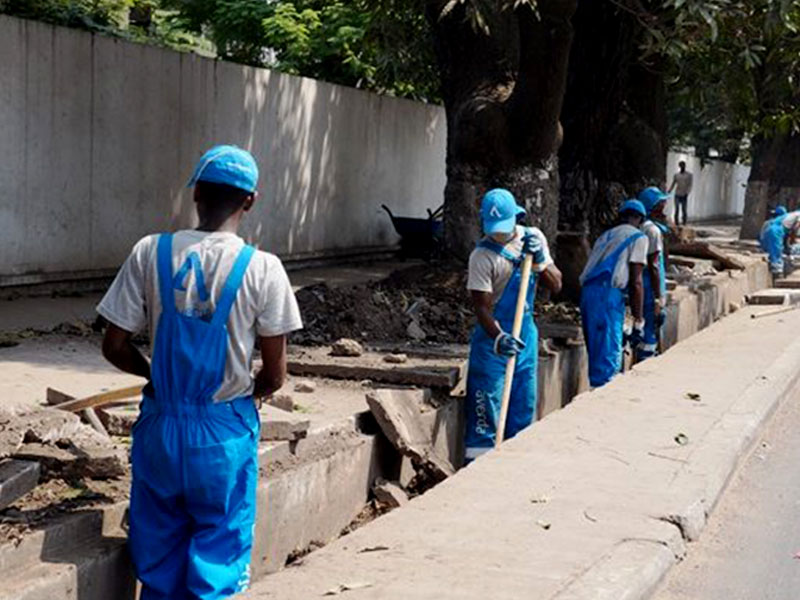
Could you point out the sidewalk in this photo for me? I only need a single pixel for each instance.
(596, 502)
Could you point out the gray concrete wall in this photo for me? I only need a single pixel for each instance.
(98, 137)
(718, 189)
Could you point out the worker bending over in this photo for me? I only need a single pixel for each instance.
(615, 265)
(208, 300)
(773, 238)
(494, 281)
(655, 282)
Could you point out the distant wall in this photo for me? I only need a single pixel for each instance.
(719, 187)
(98, 137)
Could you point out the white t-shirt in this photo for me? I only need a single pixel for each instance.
(607, 243)
(265, 304)
(655, 240)
(489, 272)
(683, 183)
(791, 220)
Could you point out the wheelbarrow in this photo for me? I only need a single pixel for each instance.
(419, 238)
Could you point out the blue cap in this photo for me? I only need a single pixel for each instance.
(633, 206)
(652, 197)
(499, 211)
(229, 165)
(779, 211)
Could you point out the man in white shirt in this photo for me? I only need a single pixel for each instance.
(682, 184)
(207, 299)
(615, 265)
(494, 282)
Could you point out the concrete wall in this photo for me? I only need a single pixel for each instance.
(98, 137)
(718, 190)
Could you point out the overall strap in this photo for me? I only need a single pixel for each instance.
(501, 250)
(609, 262)
(232, 285)
(164, 262)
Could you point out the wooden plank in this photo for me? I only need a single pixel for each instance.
(706, 250)
(103, 399)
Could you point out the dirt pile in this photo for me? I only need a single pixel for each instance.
(422, 303)
(425, 303)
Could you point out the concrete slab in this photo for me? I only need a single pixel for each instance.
(17, 478)
(418, 371)
(611, 472)
(774, 296)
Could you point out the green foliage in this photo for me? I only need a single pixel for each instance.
(97, 15)
(350, 42)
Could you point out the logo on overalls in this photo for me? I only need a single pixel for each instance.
(192, 264)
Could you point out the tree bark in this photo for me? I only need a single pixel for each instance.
(503, 92)
(614, 120)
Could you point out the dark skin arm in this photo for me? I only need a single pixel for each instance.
(272, 375)
(636, 291)
(482, 301)
(654, 271)
(120, 351)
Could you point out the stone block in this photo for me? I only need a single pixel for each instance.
(17, 478)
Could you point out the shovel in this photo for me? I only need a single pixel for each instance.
(522, 298)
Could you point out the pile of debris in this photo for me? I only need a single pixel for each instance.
(424, 304)
(52, 451)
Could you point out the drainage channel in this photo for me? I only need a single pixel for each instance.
(322, 486)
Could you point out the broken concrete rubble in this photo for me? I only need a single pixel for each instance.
(398, 415)
(305, 387)
(278, 425)
(17, 478)
(346, 347)
(282, 401)
(390, 494)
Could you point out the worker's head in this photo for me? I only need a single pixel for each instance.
(682, 165)
(654, 201)
(499, 212)
(779, 211)
(632, 212)
(224, 181)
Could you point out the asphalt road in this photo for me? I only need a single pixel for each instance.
(747, 550)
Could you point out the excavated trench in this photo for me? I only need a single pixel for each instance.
(323, 485)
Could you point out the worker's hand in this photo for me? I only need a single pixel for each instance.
(507, 345)
(532, 245)
(660, 314)
(636, 337)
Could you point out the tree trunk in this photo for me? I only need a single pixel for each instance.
(774, 179)
(614, 120)
(503, 92)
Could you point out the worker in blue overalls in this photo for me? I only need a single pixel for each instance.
(208, 300)
(773, 240)
(494, 282)
(614, 267)
(655, 281)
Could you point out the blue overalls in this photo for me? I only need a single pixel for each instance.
(603, 317)
(487, 370)
(772, 239)
(195, 470)
(649, 347)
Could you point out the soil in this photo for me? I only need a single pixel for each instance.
(432, 296)
(56, 497)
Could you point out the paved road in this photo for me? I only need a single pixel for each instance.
(746, 551)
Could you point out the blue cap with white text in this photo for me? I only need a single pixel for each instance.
(499, 211)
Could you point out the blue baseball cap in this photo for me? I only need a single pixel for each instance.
(652, 197)
(499, 211)
(779, 211)
(633, 206)
(229, 165)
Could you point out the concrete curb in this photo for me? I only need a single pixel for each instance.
(634, 569)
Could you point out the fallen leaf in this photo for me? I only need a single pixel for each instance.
(589, 517)
(681, 439)
(693, 396)
(346, 587)
(543, 524)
